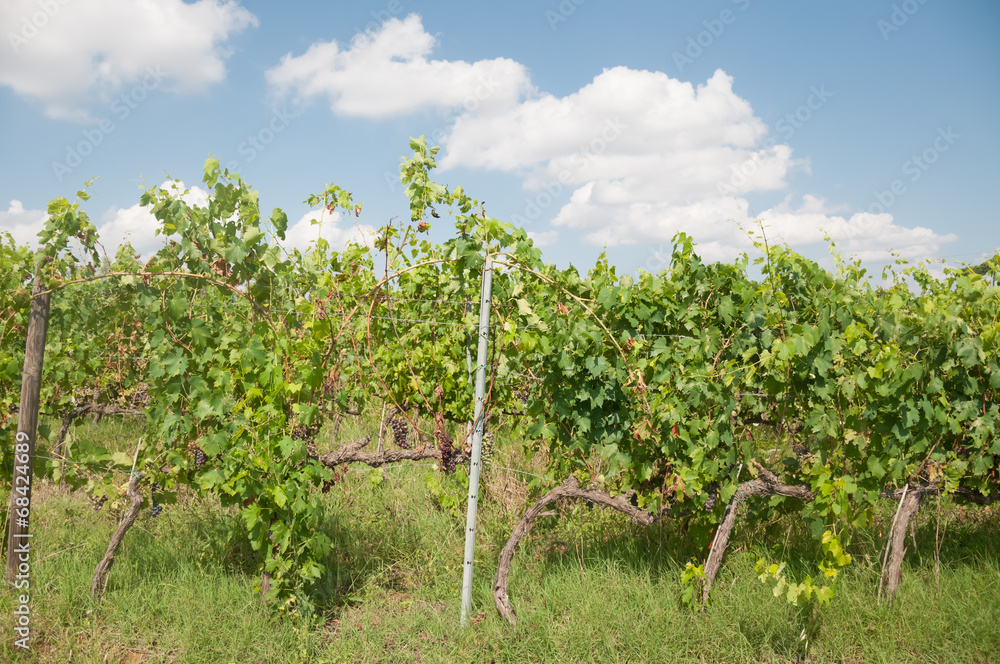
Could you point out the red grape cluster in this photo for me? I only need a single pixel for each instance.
(308, 434)
(140, 398)
(198, 454)
(98, 502)
(448, 455)
(399, 432)
(712, 489)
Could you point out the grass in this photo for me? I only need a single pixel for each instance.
(588, 586)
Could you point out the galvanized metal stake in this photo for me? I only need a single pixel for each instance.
(477, 440)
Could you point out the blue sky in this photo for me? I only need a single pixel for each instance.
(596, 125)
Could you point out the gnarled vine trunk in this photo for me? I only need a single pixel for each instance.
(568, 489)
(766, 484)
(892, 573)
(103, 569)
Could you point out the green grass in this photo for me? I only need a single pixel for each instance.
(588, 586)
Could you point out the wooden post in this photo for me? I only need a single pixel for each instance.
(27, 427)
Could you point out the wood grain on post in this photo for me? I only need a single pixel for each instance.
(27, 416)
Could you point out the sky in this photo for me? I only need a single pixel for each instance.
(596, 125)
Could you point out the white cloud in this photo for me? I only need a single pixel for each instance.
(643, 156)
(720, 227)
(623, 119)
(23, 225)
(67, 54)
(389, 74)
(639, 155)
(331, 228)
(543, 238)
(868, 236)
(138, 226)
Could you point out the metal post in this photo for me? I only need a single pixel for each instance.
(477, 440)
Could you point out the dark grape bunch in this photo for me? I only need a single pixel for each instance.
(522, 394)
(155, 510)
(399, 432)
(140, 399)
(712, 489)
(448, 455)
(308, 435)
(199, 455)
(305, 432)
(98, 502)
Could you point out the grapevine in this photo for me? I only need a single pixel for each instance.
(666, 388)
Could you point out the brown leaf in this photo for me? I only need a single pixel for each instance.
(221, 268)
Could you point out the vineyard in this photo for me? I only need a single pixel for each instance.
(705, 400)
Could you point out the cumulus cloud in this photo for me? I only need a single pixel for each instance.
(623, 119)
(331, 227)
(543, 238)
(631, 157)
(641, 156)
(721, 227)
(68, 55)
(23, 225)
(388, 73)
(138, 226)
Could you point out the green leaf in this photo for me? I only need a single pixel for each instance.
(279, 496)
(288, 446)
(212, 172)
(280, 221)
(251, 516)
(211, 478)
